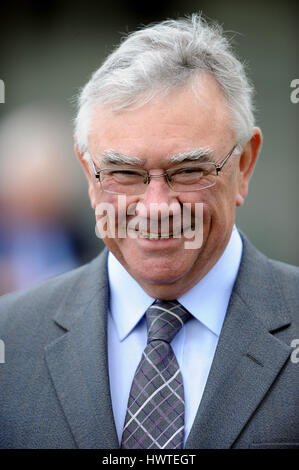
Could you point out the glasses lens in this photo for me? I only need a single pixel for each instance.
(121, 181)
(193, 178)
(131, 182)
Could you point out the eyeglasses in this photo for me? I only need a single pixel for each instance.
(133, 181)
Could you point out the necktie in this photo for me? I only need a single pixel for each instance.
(155, 413)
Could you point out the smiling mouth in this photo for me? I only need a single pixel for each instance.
(162, 236)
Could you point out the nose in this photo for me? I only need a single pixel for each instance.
(158, 196)
(157, 189)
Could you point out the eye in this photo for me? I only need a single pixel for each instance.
(189, 170)
(186, 172)
(124, 172)
(123, 176)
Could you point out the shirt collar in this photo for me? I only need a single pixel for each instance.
(207, 301)
(128, 301)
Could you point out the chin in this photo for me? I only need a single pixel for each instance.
(159, 275)
(160, 280)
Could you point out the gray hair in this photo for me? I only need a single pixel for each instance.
(160, 58)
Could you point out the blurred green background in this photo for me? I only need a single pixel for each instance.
(49, 49)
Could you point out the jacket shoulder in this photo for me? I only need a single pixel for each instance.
(287, 278)
(284, 270)
(40, 302)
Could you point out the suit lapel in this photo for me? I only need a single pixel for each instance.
(247, 360)
(248, 357)
(78, 363)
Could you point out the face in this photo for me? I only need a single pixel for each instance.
(164, 127)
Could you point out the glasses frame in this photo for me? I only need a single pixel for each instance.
(148, 177)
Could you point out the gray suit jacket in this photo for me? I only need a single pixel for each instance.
(54, 384)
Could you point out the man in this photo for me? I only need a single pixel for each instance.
(158, 344)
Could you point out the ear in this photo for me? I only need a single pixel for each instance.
(88, 173)
(247, 163)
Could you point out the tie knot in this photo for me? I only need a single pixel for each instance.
(165, 319)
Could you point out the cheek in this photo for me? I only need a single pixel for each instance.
(206, 199)
(113, 209)
(218, 207)
(222, 205)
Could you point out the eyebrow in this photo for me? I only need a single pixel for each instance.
(201, 153)
(116, 158)
(113, 157)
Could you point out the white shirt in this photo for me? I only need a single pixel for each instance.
(194, 345)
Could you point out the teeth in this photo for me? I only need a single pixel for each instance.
(156, 236)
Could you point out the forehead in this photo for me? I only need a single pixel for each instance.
(167, 125)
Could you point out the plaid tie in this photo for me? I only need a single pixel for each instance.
(155, 414)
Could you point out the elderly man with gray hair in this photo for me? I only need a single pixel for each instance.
(180, 333)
